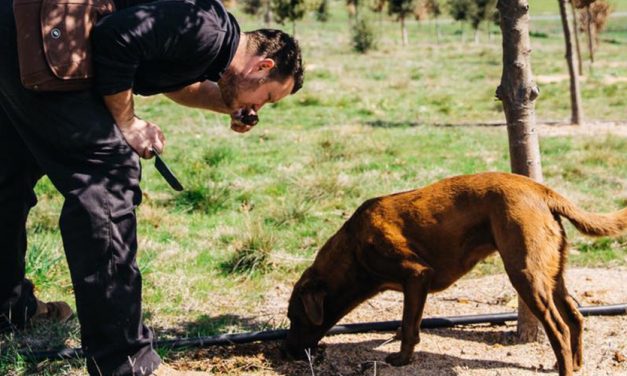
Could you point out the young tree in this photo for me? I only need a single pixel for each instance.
(377, 6)
(460, 10)
(420, 10)
(594, 19)
(518, 93)
(482, 11)
(352, 7)
(258, 7)
(322, 11)
(434, 11)
(573, 14)
(576, 109)
(292, 10)
(363, 36)
(401, 9)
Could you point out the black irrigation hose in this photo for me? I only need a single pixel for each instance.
(273, 335)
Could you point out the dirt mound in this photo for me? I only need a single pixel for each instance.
(469, 350)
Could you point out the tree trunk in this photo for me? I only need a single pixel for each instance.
(267, 15)
(590, 36)
(352, 11)
(576, 31)
(489, 29)
(437, 31)
(575, 94)
(404, 32)
(518, 93)
(293, 28)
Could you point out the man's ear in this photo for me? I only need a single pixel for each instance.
(265, 64)
(314, 308)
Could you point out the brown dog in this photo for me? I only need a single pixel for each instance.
(424, 240)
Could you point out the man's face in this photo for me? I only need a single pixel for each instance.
(252, 91)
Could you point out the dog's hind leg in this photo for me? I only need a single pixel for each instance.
(568, 309)
(415, 290)
(531, 252)
(536, 286)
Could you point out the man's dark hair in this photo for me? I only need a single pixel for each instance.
(283, 49)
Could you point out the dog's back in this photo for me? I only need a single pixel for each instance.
(456, 222)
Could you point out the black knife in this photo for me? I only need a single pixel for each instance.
(166, 172)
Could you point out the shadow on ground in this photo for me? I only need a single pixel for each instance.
(355, 358)
(209, 326)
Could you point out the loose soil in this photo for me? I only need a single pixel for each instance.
(468, 350)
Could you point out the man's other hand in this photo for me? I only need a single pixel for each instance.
(142, 136)
(244, 120)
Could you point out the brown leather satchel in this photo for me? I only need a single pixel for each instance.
(53, 42)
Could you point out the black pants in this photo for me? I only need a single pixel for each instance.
(72, 138)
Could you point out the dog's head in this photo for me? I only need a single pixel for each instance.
(306, 312)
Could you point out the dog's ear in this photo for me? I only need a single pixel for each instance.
(313, 301)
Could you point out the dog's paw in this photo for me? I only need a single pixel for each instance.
(397, 359)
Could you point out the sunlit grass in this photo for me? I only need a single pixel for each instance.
(258, 206)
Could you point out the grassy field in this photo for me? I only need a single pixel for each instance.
(258, 206)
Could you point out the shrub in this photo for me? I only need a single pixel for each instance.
(364, 38)
(252, 254)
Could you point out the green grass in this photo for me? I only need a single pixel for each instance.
(258, 206)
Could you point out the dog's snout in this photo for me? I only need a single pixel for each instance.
(291, 353)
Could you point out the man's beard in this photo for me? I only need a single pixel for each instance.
(231, 84)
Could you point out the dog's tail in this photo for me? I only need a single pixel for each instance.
(592, 224)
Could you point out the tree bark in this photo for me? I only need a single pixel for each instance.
(437, 31)
(518, 93)
(267, 16)
(576, 110)
(573, 12)
(404, 32)
(590, 36)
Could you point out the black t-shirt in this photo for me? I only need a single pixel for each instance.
(161, 46)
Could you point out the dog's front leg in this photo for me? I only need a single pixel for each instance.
(415, 290)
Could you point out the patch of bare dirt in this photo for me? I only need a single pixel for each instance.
(591, 128)
(469, 350)
(556, 78)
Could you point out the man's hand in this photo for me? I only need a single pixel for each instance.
(243, 120)
(142, 136)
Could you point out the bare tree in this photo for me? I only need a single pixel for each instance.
(589, 33)
(518, 93)
(482, 11)
(573, 13)
(576, 110)
(290, 10)
(352, 9)
(593, 19)
(586, 16)
(401, 9)
(258, 7)
(434, 10)
(460, 10)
